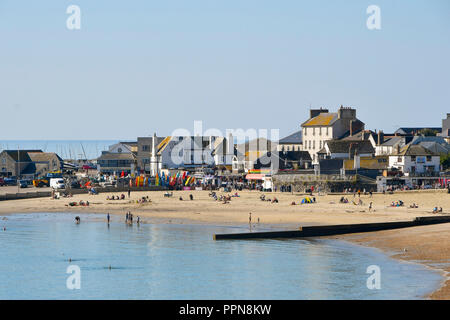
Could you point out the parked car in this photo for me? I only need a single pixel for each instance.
(10, 182)
(23, 183)
(75, 185)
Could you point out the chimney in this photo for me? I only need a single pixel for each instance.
(380, 137)
(315, 112)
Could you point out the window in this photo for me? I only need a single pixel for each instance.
(314, 144)
(320, 131)
(413, 158)
(145, 148)
(314, 131)
(327, 131)
(306, 131)
(399, 159)
(428, 158)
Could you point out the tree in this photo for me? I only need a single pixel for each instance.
(445, 161)
(427, 132)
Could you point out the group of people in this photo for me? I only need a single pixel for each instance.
(81, 203)
(398, 203)
(122, 197)
(436, 210)
(343, 200)
(263, 198)
(144, 200)
(129, 218)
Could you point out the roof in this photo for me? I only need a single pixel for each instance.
(116, 156)
(361, 135)
(413, 150)
(21, 155)
(43, 156)
(412, 130)
(294, 138)
(397, 139)
(285, 159)
(343, 146)
(436, 147)
(323, 119)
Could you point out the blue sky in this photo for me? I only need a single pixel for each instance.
(137, 67)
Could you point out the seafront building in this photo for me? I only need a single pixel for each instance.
(29, 164)
(323, 125)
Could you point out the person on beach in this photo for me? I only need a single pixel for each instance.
(250, 218)
(129, 193)
(77, 220)
(370, 206)
(138, 220)
(191, 197)
(108, 217)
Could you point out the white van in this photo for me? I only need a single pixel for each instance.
(57, 183)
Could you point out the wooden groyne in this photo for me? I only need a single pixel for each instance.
(319, 231)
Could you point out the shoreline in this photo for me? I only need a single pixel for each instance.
(423, 245)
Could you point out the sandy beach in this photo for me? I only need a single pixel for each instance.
(427, 245)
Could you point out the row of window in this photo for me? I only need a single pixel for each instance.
(311, 144)
(305, 131)
(115, 163)
(416, 159)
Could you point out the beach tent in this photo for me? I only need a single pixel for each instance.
(306, 200)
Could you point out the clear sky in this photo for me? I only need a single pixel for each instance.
(136, 67)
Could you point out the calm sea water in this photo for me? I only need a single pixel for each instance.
(160, 261)
(67, 149)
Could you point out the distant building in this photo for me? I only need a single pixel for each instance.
(284, 161)
(323, 125)
(389, 145)
(416, 130)
(144, 152)
(446, 128)
(120, 157)
(292, 142)
(246, 154)
(189, 153)
(29, 163)
(45, 162)
(415, 159)
(346, 149)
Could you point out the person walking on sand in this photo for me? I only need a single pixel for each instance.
(129, 193)
(250, 218)
(370, 207)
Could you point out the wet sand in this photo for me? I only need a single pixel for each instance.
(428, 245)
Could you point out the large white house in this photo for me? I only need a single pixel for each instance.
(175, 152)
(415, 159)
(324, 125)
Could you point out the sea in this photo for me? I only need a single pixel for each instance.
(48, 256)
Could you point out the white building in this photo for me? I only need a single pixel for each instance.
(324, 125)
(415, 159)
(175, 152)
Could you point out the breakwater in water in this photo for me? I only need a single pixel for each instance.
(318, 231)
